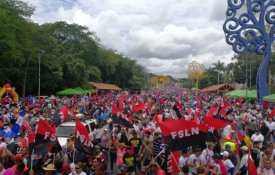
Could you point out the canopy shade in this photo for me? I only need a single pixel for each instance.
(270, 98)
(75, 91)
(251, 94)
(69, 92)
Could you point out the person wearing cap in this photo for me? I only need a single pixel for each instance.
(208, 152)
(244, 161)
(257, 136)
(228, 163)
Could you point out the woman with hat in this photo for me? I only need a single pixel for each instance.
(49, 169)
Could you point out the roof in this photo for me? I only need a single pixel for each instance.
(104, 86)
(219, 87)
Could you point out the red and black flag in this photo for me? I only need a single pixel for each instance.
(83, 142)
(46, 135)
(180, 134)
(61, 115)
(122, 121)
(17, 146)
(178, 109)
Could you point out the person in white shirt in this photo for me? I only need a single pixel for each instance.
(228, 163)
(208, 152)
(216, 168)
(244, 161)
(195, 160)
(183, 161)
(258, 137)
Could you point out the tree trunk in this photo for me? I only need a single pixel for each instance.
(197, 86)
(25, 77)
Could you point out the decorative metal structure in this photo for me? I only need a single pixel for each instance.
(196, 71)
(250, 27)
(160, 80)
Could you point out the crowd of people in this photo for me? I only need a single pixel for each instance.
(141, 149)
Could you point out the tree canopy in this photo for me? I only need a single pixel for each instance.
(70, 55)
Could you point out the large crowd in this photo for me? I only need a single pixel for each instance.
(141, 149)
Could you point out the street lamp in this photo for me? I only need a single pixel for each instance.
(39, 70)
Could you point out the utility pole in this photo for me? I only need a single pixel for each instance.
(39, 64)
(250, 73)
(39, 70)
(246, 82)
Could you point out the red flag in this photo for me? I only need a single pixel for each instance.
(26, 126)
(240, 136)
(172, 163)
(196, 118)
(82, 138)
(211, 111)
(139, 107)
(272, 114)
(158, 118)
(64, 113)
(215, 123)
(31, 137)
(240, 101)
(252, 170)
(115, 110)
(199, 105)
(237, 151)
(120, 103)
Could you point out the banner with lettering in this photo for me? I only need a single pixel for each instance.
(46, 135)
(82, 139)
(180, 134)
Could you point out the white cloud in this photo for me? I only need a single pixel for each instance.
(162, 35)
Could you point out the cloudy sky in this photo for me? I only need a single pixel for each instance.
(163, 35)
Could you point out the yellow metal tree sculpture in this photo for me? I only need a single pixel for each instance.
(196, 71)
(160, 80)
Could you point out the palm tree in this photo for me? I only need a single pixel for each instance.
(219, 67)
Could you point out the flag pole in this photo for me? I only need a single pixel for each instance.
(32, 159)
(53, 158)
(73, 155)
(159, 154)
